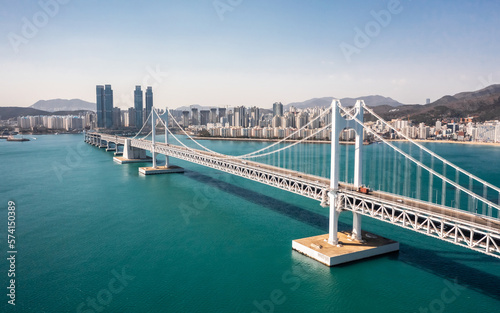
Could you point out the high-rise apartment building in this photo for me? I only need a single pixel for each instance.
(213, 115)
(108, 106)
(278, 109)
(239, 117)
(116, 117)
(100, 105)
(185, 118)
(204, 117)
(132, 118)
(138, 106)
(149, 102)
(222, 113)
(194, 117)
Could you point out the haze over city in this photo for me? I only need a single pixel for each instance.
(218, 53)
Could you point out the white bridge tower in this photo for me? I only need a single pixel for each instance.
(339, 123)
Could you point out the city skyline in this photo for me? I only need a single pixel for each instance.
(249, 53)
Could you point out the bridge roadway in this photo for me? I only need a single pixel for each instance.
(475, 231)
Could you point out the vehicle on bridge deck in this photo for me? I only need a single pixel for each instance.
(364, 189)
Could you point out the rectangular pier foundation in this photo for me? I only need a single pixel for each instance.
(160, 170)
(122, 160)
(348, 250)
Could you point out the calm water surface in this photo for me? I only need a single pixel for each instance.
(94, 236)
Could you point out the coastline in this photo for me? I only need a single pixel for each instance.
(348, 142)
(454, 142)
(266, 140)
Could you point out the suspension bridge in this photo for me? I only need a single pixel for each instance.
(401, 183)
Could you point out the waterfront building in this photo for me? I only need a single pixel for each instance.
(194, 117)
(222, 113)
(149, 102)
(138, 107)
(100, 105)
(204, 117)
(108, 106)
(276, 121)
(185, 118)
(117, 118)
(239, 117)
(213, 115)
(277, 109)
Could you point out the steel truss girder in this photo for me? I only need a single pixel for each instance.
(473, 236)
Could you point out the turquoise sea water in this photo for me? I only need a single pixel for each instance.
(94, 236)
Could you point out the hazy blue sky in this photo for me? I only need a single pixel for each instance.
(246, 52)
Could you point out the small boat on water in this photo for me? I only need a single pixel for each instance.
(12, 138)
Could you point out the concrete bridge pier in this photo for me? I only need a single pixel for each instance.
(103, 144)
(119, 152)
(111, 146)
(156, 169)
(132, 154)
(341, 247)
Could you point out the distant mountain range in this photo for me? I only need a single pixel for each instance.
(48, 107)
(483, 104)
(64, 105)
(372, 101)
(13, 112)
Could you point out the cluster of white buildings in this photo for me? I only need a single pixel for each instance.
(277, 124)
(55, 122)
(281, 124)
(465, 130)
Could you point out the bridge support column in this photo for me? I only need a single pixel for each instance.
(167, 168)
(341, 247)
(131, 154)
(358, 168)
(356, 226)
(333, 220)
(153, 136)
(118, 152)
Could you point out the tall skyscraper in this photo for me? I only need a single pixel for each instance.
(149, 101)
(100, 105)
(138, 106)
(239, 117)
(204, 117)
(222, 113)
(254, 116)
(132, 117)
(116, 117)
(108, 106)
(185, 118)
(213, 115)
(278, 109)
(194, 116)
